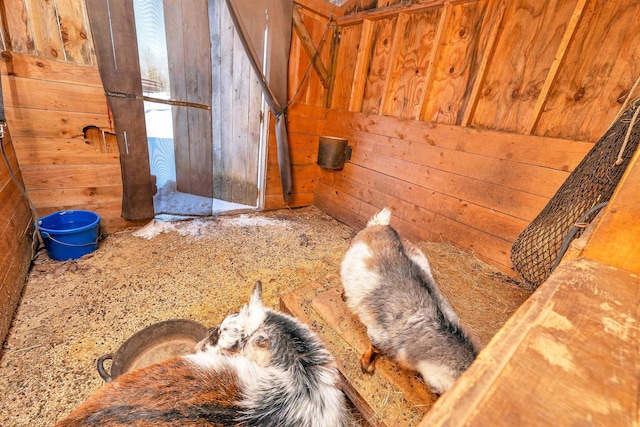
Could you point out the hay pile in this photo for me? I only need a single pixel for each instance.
(73, 312)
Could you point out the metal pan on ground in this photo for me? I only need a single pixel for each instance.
(153, 344)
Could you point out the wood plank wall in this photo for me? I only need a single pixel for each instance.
(305, 116)
(48, 104)
(466, 116)
(52, 93)
(16, 231)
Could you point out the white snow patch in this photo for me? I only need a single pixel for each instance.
(203, 227)
(246, 220)
(154, 228)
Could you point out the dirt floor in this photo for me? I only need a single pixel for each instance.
(73, 312)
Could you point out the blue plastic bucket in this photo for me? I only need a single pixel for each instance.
(69, 234)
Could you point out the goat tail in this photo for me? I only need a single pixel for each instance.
(381, 218)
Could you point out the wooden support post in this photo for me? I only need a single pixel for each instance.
(333, 64)
(555, 66)
(309, 47)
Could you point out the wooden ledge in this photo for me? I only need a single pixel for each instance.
(568, 356)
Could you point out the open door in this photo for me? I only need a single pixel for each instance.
(205, 128)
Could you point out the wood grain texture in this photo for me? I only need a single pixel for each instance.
(415, 42)
(464, 43)
(48, 151)
(616, 239)
(575, 337)
(16, 236)
(476, 189)
(46, 30)
(523, 56)
(29, 66)
(600, 67)
(189, 56)
(18, 27)
(335, 312)
(117, 52)
(378, 75)
(305, 126)
(351, 58)
(52, 124)
(53, 95)
(75, 32)
(361, 65)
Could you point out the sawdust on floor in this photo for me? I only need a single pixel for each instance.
(73, 312)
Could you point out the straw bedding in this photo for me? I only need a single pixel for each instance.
(73, 312)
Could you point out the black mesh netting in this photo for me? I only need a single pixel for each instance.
(592, 183)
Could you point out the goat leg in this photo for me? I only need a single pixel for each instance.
(367, 362)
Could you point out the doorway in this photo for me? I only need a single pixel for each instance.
(204, 109)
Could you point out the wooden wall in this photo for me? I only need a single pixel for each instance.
(465, 117)
(305, 116)
(52, 92)
(16, 231)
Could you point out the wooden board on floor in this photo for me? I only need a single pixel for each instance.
(335, 312)
(378, 400)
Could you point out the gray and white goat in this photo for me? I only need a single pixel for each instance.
(388, 284)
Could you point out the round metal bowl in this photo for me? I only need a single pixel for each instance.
(153, 344)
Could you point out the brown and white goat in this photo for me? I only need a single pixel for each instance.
(260, 367)
(388, 284)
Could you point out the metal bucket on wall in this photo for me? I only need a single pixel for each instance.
(332, 152)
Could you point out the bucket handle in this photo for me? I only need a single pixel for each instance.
(48, 236)
(103, 372)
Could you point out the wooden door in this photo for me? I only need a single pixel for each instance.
(237, 113)
(189, 57)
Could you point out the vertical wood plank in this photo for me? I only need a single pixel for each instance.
(216, 93)
(46, 30)
(553, 71)
(177, 82)
(346, 64)
(379, 65)
(436, 48)
(188, 48)
(411, 74)
(296, 57)
(253, 141)
(497, 9)
(333, 64)
(309, 46)
(117, 53)
(396, 63)
(239, 123)
(319, 28)
(362, 66)
(600, 67)
(19, 37)
(75, 32)
(226, 103)
(533, 31)
(616, 239)
(197, 54)
(457, 62)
